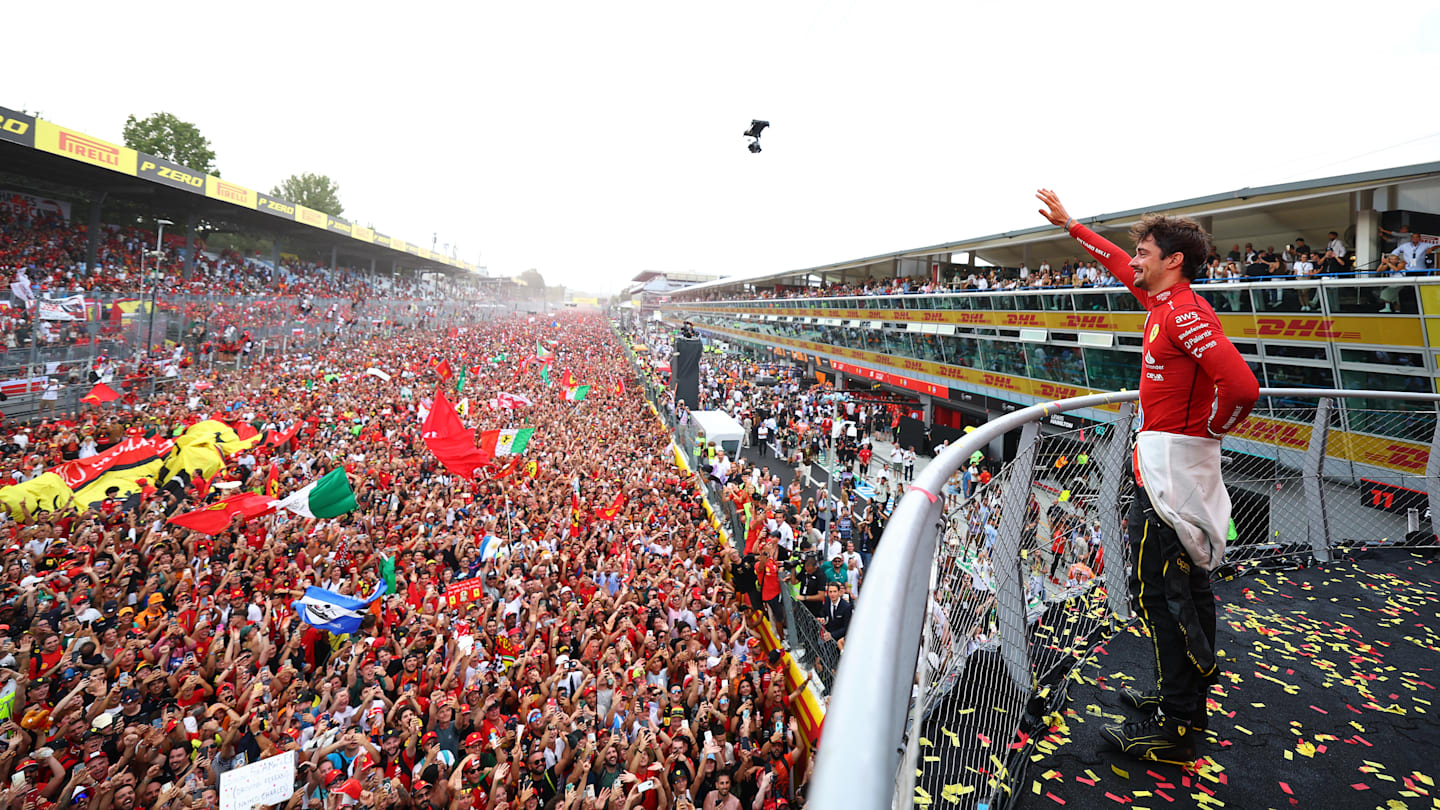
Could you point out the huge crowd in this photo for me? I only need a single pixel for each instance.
(223, 301)
(596, 655)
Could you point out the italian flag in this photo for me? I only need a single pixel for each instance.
(329, 497)
(577, 393)
(542, 353)
(505, 442)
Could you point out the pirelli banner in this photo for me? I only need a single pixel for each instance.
(34, 133)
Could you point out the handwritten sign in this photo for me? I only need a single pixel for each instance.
(269, 781)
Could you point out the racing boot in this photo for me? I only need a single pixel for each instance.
(1156, 737)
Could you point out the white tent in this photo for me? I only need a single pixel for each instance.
(721, 428)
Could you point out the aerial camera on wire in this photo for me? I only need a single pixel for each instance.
(753, 133)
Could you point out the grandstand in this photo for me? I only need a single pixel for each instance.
(77, 250)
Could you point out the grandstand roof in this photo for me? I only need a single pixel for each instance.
(24, 167)
(1241, 215)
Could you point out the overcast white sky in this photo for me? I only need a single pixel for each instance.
(594, 140)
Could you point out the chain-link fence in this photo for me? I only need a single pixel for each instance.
(1028, 573)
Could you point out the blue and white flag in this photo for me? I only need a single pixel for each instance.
(337, 613)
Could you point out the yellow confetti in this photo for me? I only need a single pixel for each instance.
(1120, 773)
(1423, 778)
(924, 741)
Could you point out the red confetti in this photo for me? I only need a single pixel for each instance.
(1285, 787)
(1318, 709)
(1115, 798)
(1090, 782)
(1360, 786)
(1057, 799)
(1164, 796)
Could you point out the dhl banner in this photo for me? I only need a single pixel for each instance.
(34, 133)
(1376, 451)
(1344, 328)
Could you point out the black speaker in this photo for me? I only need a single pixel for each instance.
(685, 371)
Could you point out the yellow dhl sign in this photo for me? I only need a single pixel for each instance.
(1376, 451)
(1392, 330)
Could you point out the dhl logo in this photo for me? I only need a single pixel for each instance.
(931, 316)
(895, 315)
(1264, 430)
(952, 372)
(1047, 390)
(1089, 322)
(998, 381)
(1400, 456)
(1021, 319)
(850, 313)
(230, 191)
(72, 143)
(912, 365)
(1299, 328)
(973, 317)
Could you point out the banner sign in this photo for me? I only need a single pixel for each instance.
(1347, 328)
(24, 205)
(35, 133)
(129, 453)
(269, 781)
(170, 174)
(17, 127)
(275, 206)
(463, 592)
(71, 308)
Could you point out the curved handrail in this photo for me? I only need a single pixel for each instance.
(867, 709)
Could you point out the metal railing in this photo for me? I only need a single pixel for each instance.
(965, 617)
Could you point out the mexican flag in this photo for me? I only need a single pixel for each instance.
(505, 442)
(331, 496)
(542, 353)
(577, 393)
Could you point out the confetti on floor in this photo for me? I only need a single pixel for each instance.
(1326, 700)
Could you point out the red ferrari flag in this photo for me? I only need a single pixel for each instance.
(101, 393)
(215, 518)
(448, 439)
(443, 369)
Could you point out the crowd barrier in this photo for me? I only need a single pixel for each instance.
(982, 645)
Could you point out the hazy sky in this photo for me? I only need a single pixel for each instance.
(594, 140)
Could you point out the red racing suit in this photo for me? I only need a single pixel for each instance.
(1194, 381)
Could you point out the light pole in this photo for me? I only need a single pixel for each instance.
(159, 240)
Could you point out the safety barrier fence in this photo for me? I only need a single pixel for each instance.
(976, 610)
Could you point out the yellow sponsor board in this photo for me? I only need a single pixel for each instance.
(58, 140)
(362, 233)
(311, 217)
(233, 193)
(1391, 330)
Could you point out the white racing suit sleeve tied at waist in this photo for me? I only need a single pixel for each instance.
(1181, 474)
